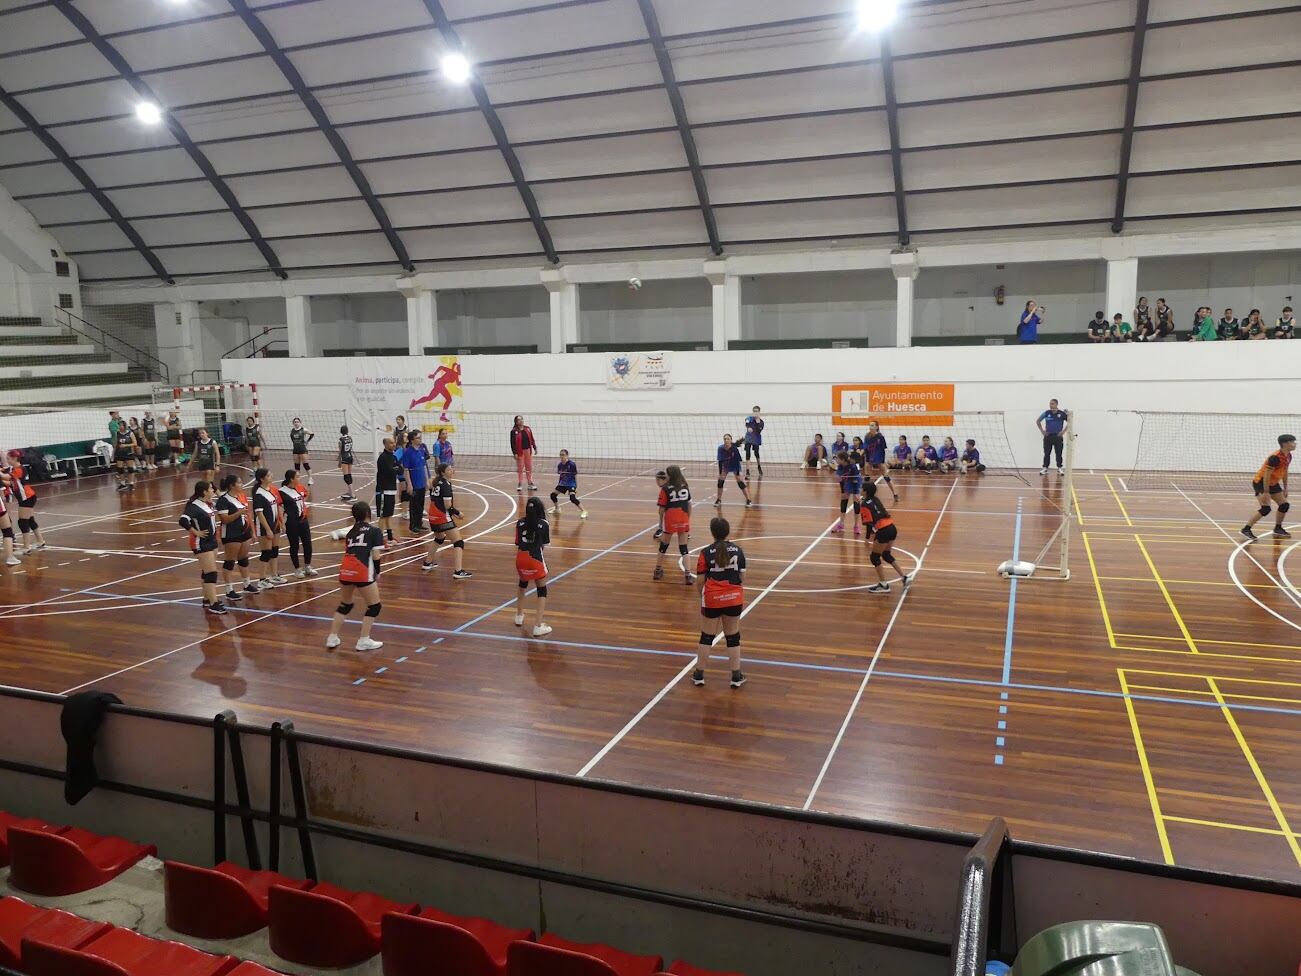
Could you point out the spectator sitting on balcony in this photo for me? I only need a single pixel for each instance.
(1205, 331)
(1121, 331)
(1144, 329)
(1228, 327)
(1285, 328)
(1099, 329)
(1252, 327)
(1165, 320)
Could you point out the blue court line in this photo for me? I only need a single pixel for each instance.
(1011, 619)
(770, 662)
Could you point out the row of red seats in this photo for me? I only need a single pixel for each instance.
(315, 924)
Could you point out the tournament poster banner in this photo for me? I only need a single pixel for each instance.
(425, 390)
(895, 404)
(640, 371)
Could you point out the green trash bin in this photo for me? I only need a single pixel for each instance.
(1098, 949)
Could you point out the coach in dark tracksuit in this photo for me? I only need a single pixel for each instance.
(1052, 424)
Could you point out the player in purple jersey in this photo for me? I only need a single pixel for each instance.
(971, 458)
(851, 486)
(874, 467)
(754, 425)
(729, 462)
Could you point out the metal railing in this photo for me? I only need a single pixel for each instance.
(985, 924)
(272, 338)
(112, 345)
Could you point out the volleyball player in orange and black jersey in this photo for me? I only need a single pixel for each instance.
(532, 533)
(25, 495)
(363, 545)
(881, 533)
(199, 520)
(235, 515)
(268, 516)
(675, 518)
(442, 524)
(721, 568)
(1270, 488)
(6, 523)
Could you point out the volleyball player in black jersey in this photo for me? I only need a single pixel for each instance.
(345, 462)
(235, 515)
(268, 515)
(299, 438)
(206, 457)
(721, 568)
(253, 440)
(881, 533)
(532, 533)
(296, 499)
(363, 546)
(124, 457)
(442, 523)
(175, 437)
(199, 520)
(149, 439)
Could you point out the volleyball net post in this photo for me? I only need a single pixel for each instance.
(1052, 562)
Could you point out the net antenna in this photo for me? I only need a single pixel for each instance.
(1052, 562)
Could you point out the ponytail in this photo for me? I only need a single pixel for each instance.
(675, 476)
(720, 530)
(200, 489)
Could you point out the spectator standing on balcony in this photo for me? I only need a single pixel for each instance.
(1228, 325)
(1144, 329)
(1027, 329)
(1052, 424)
(1285, 328)
(1165, 320)
(1099, 329)
(1121, 331)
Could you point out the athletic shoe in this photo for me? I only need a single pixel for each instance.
(234, 596)
(896, 499)
(738, 679)
(908, 579)
(747, 474)
(554, 509)
(251, 587)
(27, 550)
(749, 503)
(13, 561)
(1281, 532)
(582, 513)
(332, 642)
(1248, 534)
(718, 503)
(462, 574)
(428, 567)
(688, 578)
(519, 489)
(879, 588)
(298, 574)
(761, 474)
(1061, 471)
(279, 580)
(1043, 471)
(265, 584)
(519, 620)
(308, 571)
(541, 630)
(39, 545)
(698, 678)
(658, 574)
(217, 608)
(838, 530)
(532, 486)
(366, 644)
(857, 530)
(310, 481)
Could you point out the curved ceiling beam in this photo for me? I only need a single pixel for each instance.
(287, 68)
(1131, 110)
(82, 177)
(453, 42)
(128, 74)
(896, 152)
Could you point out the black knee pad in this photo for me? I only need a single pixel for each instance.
(888, 556)
(343, 608)
(374, 609)
(542, 592)
(209, 577)
(734, 640)
(706, 638)
(554, 498)
(664, 547)
(858, 506)
(979, 467)
(523, 585)
(264, 556)
(844, 505)
(439, 539)
(876, 559)
(347, 479)
(243, 563)
(1264, 509)
(307, 465)
(682, 548)
(458, 544)
(24, 526)
(574, 498)
(721, 482)
(228, 565)
(1282, 509)
(8, 533)
(298, 465)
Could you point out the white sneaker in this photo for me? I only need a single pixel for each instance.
(366, 644)
(519, 489)
(583, 514)
(264, 584)
(300, 574)
(332, 642)
(13, 561)
(519, 620)
(279, 580)
(1061, 471)
(308, 571)
(310, 481)
(1043, 470)
(541, 631)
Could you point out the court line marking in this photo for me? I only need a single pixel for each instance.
(1261, 780)
(690, 665)
(1282, 566)
(1119, 503)
(876, 656)
(1183, 627)
(1097, 585)
(1000, 741)
(1227, 826)
(1157, 818)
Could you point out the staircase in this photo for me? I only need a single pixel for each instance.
(72, 362)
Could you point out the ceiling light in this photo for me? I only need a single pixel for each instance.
(456, 67)
(877, 15)
(149, 113)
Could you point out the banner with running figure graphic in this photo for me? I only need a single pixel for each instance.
(424, 390)
(639, 371)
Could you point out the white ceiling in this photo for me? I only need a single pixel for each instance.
(1011, 115)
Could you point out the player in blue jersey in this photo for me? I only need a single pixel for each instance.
(815, 455)
(729, 462)
(838, 445)
(874, 467)
(901, 458)
(927, 458)
(970, 460)
(754, 425)
(566, 484)
(851, 486)
(949, 455)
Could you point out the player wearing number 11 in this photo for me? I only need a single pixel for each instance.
(1270, 486)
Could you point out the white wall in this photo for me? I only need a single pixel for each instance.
(671, 310)
(494, 317)
(846, 305)
(28, 284)
(1238, 281)
(133, 324)
(357, 322)
(1094, 382)
(960, 301)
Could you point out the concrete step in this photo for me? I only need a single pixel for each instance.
(30, 331)
(43, 380)
(48, 370)
(101, 393)
(29, 349)
(55, 338)
(65, 356)
(21, 320)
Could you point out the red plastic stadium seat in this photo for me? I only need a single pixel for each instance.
(19, 920)
(224, 902)
(40, 959)
(70, 861)
(140, 955)
(8, 820)
(252, 969)
(460, 944)
(554, 956)
(328, 926)
(681, 968)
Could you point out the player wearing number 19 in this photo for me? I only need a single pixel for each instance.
(675, 517)
(721, 568)
(1270, 486)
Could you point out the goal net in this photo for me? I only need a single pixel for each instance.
(226, 409)
(1205, 451)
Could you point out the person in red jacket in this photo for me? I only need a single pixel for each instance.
(523, 445)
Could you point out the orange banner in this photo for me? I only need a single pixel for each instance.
(893, 404)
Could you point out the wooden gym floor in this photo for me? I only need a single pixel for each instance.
(1149, 707)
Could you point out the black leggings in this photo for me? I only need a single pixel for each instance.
(299, 532)
(1053, 445)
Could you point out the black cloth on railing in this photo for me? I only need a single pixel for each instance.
(82, 715)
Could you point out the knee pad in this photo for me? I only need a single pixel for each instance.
(439, 539)
(858, 506)
(23, 526)
(307, 465)
(264, 556)
(523, 585)
(1264, 509)
(209, 577)
(458, 544)
(721, 482)
(275, 552)
(228, 565)
(347, 479)
(664, 547)
(682, 548)
(706, 638)
(734, 640)
(298, 465)
(554, 498)
(374, 609)
(542, 591)
(243, 563)
(1282, 509)
(876, 559)
(844, 505)
(343, 608)
(888, 556)
(8, 533)
(574, 498)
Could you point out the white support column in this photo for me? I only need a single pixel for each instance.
(298, 317)
(906, 266)
(179, 340)
(726, 290)
(1122, 287)
(564, 308)
(422, 316)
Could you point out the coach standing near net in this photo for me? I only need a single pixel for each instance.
(1052, 424)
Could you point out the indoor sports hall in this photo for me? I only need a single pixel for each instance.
(621, 487)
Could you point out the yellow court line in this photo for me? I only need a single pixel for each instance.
(1225, 643)
(1183, 628)
(1157, 818)
(1097, 585)
(1256, 771)
(1116, 495)
(1183, 582)
(1206, 654)
(1235, 697)
(1174, 540)
(1225, 826)
(1202, 676)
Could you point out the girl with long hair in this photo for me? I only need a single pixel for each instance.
(363, 546)
(253, 440)
(442, 522)
(729, 462)
(881, 533)
(675, 518)
(268, 513)
(721, 568)
(299, 438)
(532, 533)
(295, 496)
(199, 520)
(345, 463)
(235, 515)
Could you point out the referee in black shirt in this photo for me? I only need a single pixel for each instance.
(388, 475)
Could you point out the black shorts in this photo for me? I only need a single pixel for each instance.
(751, 447)
(206, 545)
(713, 613)
(385, 505)
(28, 502)
(237, 540)
(1258, 488)
(441, 527)
(566, 489)
(123, 454)
(886, 535)
(173, 436)
(345, 459)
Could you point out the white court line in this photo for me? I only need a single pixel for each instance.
(1282, 566)
(690, 665)
(876, 656)
(418, 543)
(1122, 483)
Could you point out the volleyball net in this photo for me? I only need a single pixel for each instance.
(1203, 452)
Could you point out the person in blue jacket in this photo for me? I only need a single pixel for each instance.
(729, 462)
(415, 458)
(1027, 329)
